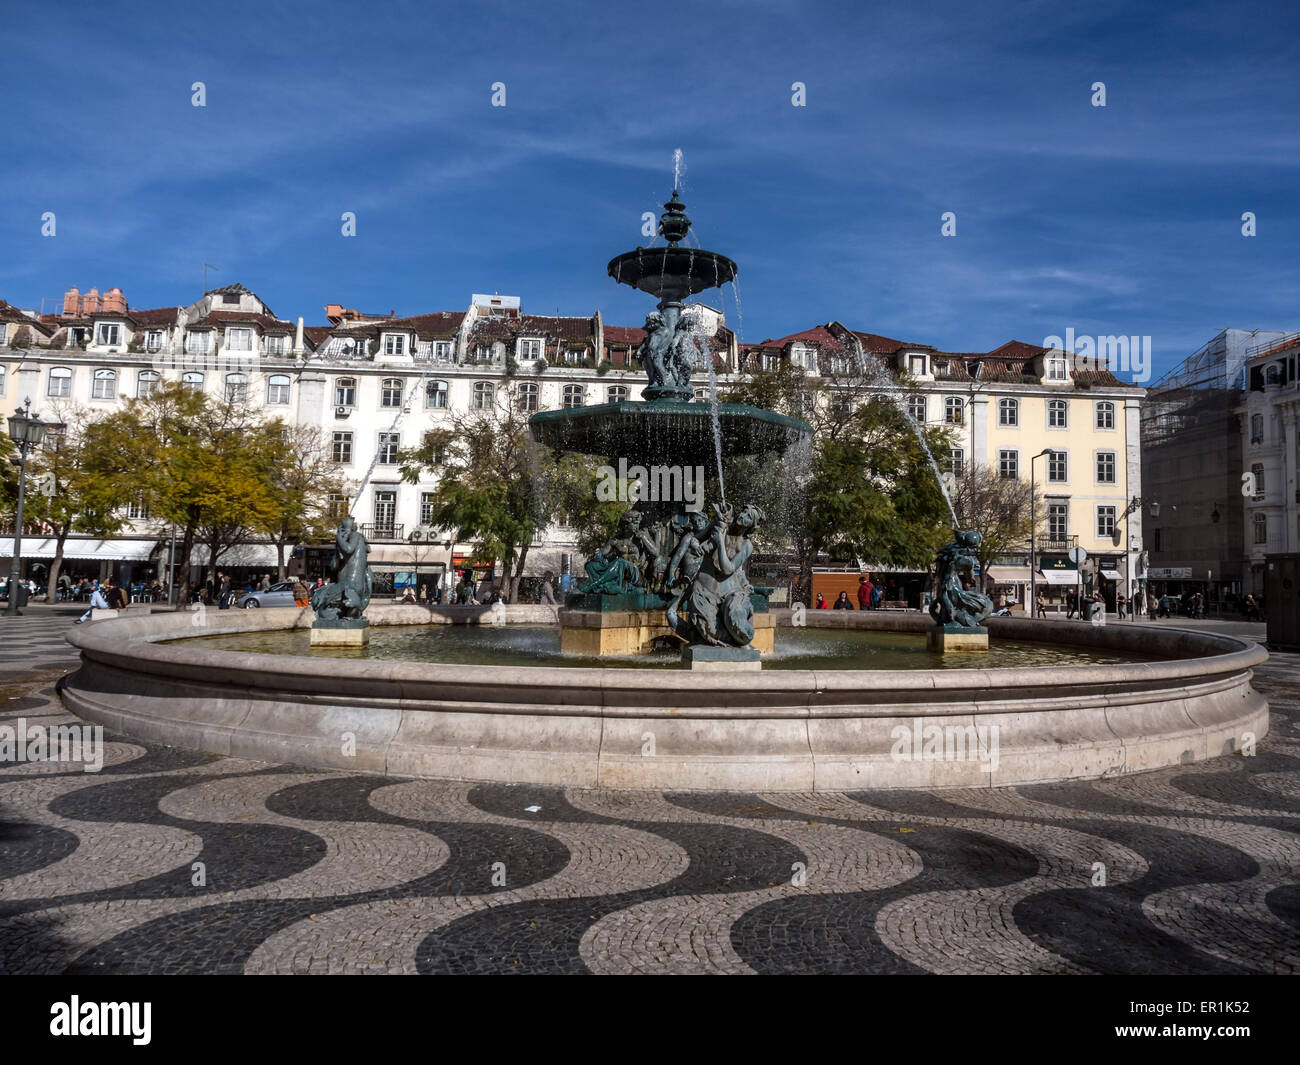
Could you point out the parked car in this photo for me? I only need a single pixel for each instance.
(281, 594)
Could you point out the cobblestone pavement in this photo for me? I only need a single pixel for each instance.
(306, 871)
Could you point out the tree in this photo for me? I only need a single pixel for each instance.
(867, 488)
(202, 464)
(496, 488)
(73, 493)
(302, 478)
(996, 507)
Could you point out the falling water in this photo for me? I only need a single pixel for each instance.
(698, 341)
(679, 168)
(881, 379)
(740, 318)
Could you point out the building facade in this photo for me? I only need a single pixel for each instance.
(375, 383)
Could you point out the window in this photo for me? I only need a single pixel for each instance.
(337, 505)
(916, 408)
(1056, 369)
(60, 382)
(1105, 414)
(390, 392)
(105, 385)
(230, 297)
(1155, 541)
(435, 395)
(958, 460)
(1009, 464)
(615, 394)
(236, 388)
(1058, 466)
(389, 443)
(574, 395)
(153, 340)
(1257, 428)
(345, 392)
(526, 396)
(193, 381)
(1260, 523)
(385, 510)
(342, 450)
(239, 339)
(771, 360)
(1105, 467)
(916, 365)
(426, 508)
(442, 350)
(1058, 522)
(483, 393)
(137, 509)
(1057, 414)
(1257, 471)
(277, 390)
(146, 383)
(2, 380)
(953, 407)
(530, 348)
(394, 343)
(1105, 522)
(278, 345)
(196, 341)
(108, 333)
(1008, 412)
(482, 352)
(55, 436)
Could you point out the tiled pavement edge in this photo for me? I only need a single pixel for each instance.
(176, 861)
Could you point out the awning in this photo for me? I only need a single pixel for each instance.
(1068, 577)
(239, 555)
(407, 556)
(83, 550)
(1009, 574)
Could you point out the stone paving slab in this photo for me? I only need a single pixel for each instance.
(175, 861)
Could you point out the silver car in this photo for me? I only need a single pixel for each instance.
(281, 594)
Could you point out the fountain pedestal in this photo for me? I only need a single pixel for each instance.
(597, 633)
(947, 638)
(340, 632)
(701, 656)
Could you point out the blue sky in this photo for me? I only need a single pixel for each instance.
(1124, 219)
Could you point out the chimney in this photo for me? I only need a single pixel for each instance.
(72, 303)
(90, 305)
(114, 301)
(297, 339)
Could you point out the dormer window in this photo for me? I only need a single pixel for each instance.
(239, 339)
(230, 298)
(771, 360)
(529, 348)
(394, 343)
(442, 350)
(918, 365)
(153, 340)
(109, 333)
(1056, 369)
(277, 345)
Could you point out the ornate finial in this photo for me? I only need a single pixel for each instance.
(673, 223)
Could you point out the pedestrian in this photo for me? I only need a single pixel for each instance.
(301, 596)
(876, 594)
(1120, 603)
(1071, 603)
(821, 603)
(548, 592)
(266, 582)
(116, 596)
(1040, 607)
(225, 592)
(409, 595)
(864, 593)
(97, 602)
(842, 602)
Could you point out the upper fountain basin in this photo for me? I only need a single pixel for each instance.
(672, 273)
(666, 432)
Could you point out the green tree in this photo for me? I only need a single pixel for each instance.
(302, 478)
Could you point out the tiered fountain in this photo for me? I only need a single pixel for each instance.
(669, 572)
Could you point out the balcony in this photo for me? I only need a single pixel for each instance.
(1049, 546)
(384, 532)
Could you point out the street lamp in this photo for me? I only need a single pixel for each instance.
(1033, 526)
(27, 432)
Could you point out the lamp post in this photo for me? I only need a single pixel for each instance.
(1033, 527)
(27, 432)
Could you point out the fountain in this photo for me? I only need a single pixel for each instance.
(1047, 702)
(669, 571)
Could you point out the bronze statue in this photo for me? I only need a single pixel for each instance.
(715, 607)
(956, 603)
(348, 594)
(618, 565)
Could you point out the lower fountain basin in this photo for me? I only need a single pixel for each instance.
(777, 729)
